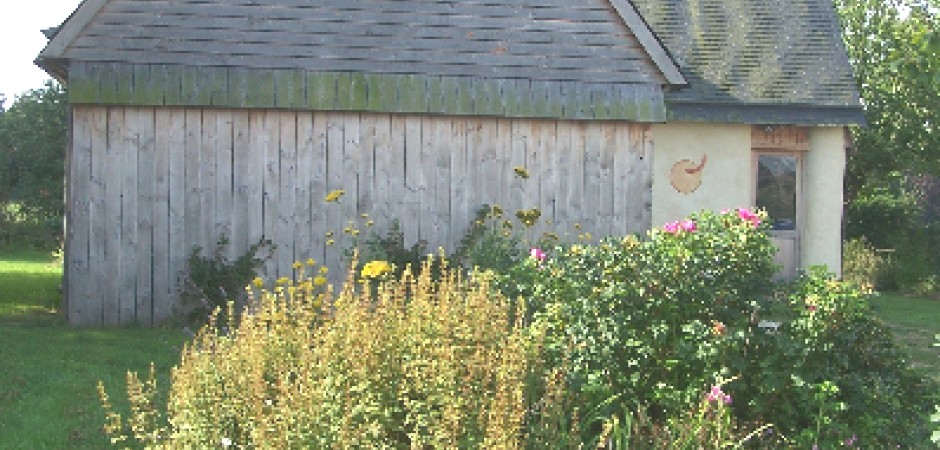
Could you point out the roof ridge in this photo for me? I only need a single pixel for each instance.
(651, 43)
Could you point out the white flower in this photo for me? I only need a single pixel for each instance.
(226, 442)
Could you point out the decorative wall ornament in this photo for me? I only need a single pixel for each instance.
(686, 176)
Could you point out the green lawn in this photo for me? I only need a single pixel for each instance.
(915, 323)
(48, 371)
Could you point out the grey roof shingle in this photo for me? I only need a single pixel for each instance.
(767, 61)
(507, 39)
(756, 53)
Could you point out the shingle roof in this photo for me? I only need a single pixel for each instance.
(509, 39)
(768, 61)
(756, 55)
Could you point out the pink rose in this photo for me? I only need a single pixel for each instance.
(748, 215)
(537, 254)
(689, 225)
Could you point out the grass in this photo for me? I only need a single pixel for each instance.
(915, 323)
(49, 371)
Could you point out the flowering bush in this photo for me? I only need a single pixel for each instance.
(650, 321)
(307, 369)
(833, 361)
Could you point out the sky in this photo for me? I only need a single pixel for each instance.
(21, 40)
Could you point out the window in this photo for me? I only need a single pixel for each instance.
(777, 189)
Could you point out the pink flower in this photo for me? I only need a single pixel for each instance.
(689, 225)
(537, 254)
(748, 215)
(716, 395)
(850, 441)
(671, 227)
(811, 308)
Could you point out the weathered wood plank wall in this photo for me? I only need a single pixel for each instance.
(149, 184)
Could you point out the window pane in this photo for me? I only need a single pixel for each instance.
(776, 189)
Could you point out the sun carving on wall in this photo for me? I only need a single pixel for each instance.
(686, 175)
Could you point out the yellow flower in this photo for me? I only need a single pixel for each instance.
(496, 211)
(334, 196)
(364, 215)
(577, 226)
(329, 242)
(283, 280)
(370, 223)
(258, 282)
(528, 217)
(355, 232)
(324, 270)
(376, 269)
(521, 172)
(319, 281)
(311, 262)
(297, 265)
(329, 234)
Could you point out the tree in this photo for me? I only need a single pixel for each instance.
(894, 47)
(32, 158)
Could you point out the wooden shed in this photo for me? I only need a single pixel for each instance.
(193, 119)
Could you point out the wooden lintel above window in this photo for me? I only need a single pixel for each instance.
(779, 137)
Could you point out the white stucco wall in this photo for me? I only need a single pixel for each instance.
(823, 169)
(726, 178)
(728, 181)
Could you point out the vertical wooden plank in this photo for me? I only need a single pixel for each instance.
(243, 175)
(605, 182)
(645, 134)
(414, 181)
(250, 165)
(366, 200)
(192, 177)
(335, 138)
(161, 213)
(224, 183)
(129, 229)
(397, 196)
(460, 213)
(146, 161)
(620, 175)
(98, 213)
(80, 310)
(591, 195)
(474, 167)
(518, 200)
(303, 184)
(490, 162)
(576, 177)
(175, 144)
(383, 170)
(531, 186)
(563, 224)
(287, 177)
(352, 153)
(546, 177)
(114, 241)
(319, 188)
(271, 185)
(427, 175)
(208, 147)
(504, 174)
(442, 149)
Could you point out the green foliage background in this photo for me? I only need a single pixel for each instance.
(32, 162)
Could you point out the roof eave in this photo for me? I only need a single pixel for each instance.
(70, 28)
(765, 113)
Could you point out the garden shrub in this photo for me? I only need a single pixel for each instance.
(650, 321)
(832, 373)
(211, 281)
(861, 264)
(421, 364)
